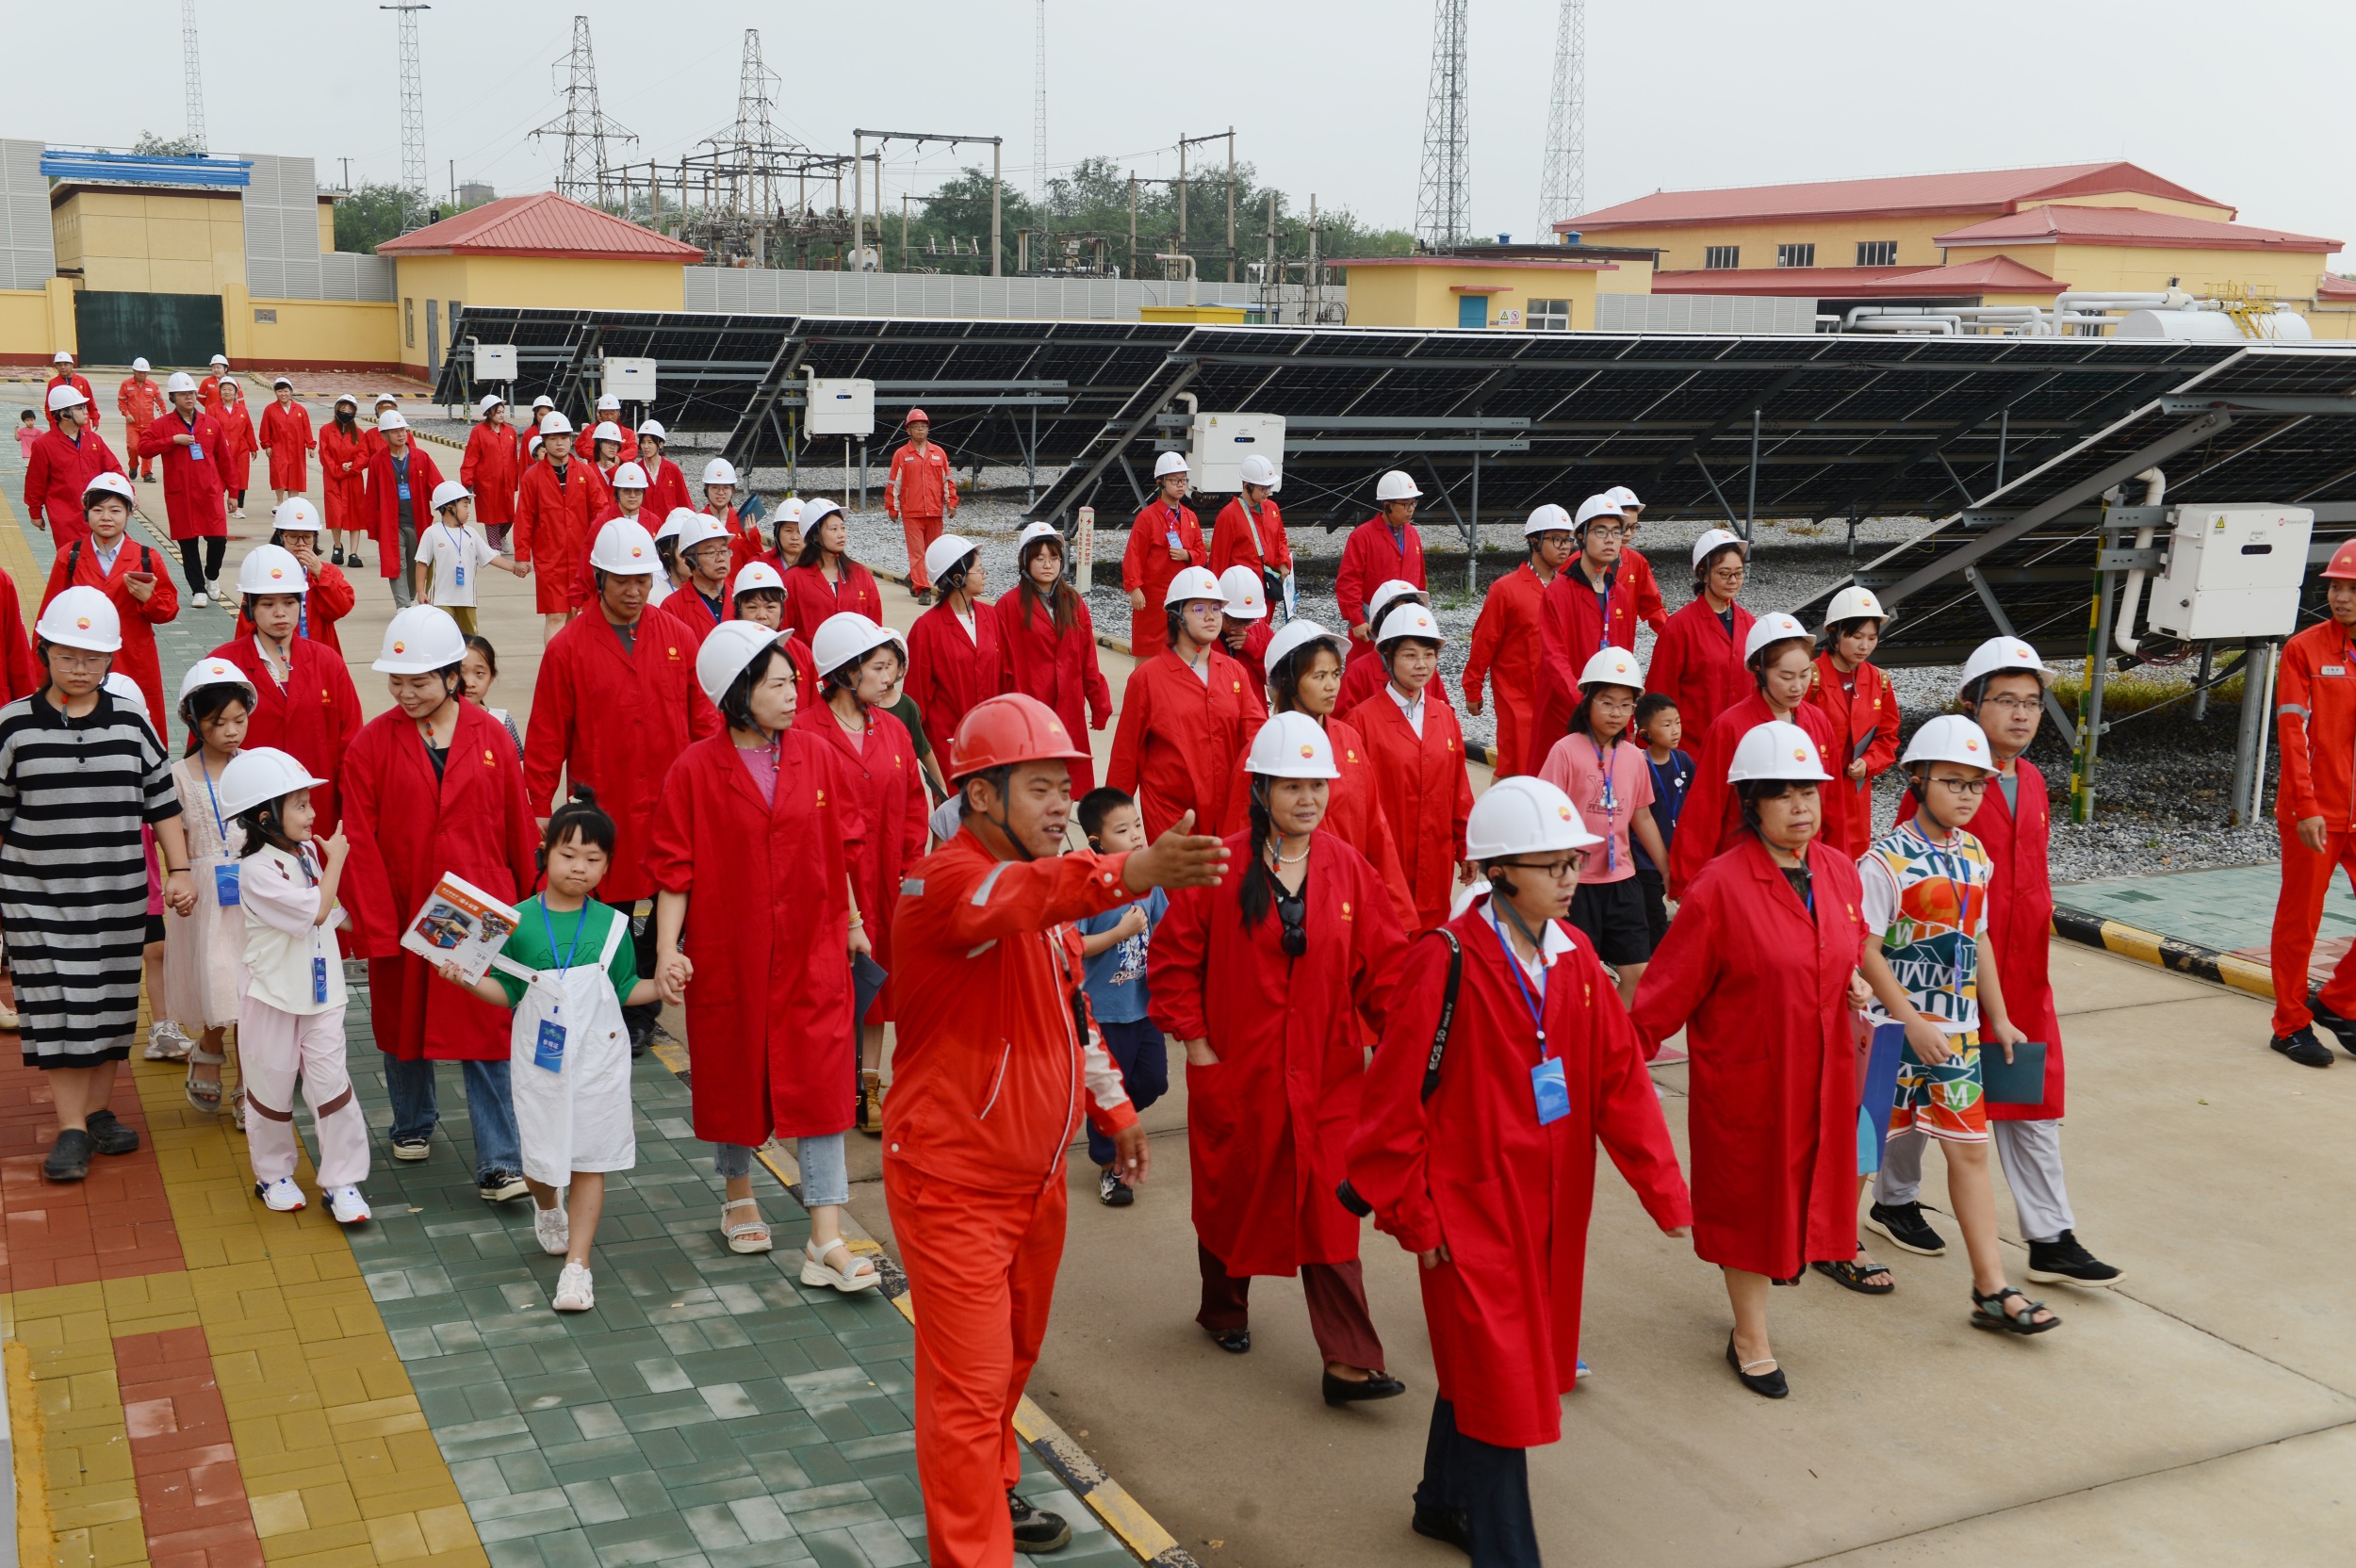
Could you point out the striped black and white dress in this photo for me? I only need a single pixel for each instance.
(72, 874)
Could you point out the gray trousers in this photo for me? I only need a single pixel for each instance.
(404, 581)
(2031, 1155)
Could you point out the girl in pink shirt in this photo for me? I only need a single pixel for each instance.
(1603, 770)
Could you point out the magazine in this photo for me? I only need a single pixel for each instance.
(459, 924)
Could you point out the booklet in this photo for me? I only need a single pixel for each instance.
(459, 924)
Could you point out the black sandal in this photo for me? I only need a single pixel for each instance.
(2003, 1319)
(1851, 1275)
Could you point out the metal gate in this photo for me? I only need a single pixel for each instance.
(173, 332)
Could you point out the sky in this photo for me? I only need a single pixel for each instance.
(2243, 105)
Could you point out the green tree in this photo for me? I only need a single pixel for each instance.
(375, 213)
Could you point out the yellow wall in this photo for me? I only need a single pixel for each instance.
(2135, 268)
(327, 225)
(142, 242)
(524, 281)
(311, 333)
(1423, 296)
(1836, 240)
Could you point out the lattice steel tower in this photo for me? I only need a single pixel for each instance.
(191, 79)
(1039, 114)
(1562, 180)
(584, 125)
(1443, 197)
(755, 194)
(411, 115)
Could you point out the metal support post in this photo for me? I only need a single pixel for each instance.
(1472, 531)
(2200, 697)
(862, 476)
(2090, 704)
(2257, 678)
(997, 250)
(2004, 444)
(1750, 507)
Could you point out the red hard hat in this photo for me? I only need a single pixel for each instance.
(1007, 730)
(917, 416)
(2343, 561)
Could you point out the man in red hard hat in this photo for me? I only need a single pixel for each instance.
(2314, 809)
(921, 493)
(998, 1059)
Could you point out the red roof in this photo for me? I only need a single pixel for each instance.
(1992, 275)
(2333, 287)
(1988, 191)
(2054, 225)
(544, 225)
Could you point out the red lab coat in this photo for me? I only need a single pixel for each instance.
(1058, 668)
(769, 1029)
(1576, 629)
(691, 610)
(1472, 1167)
(1179, 739)
(406, 828)
(19, 676)
(58, 474)
(1864, 726)
(1508, 651)
(345, 494)
(1710, 821)
(666, 487)
(1762, 992)
(1369, 559)
(810, 598)
(1425, 792)
(1353, 810)
(137, 659)
(1650, 609)
(286, 434)
(882, 800)
(1268, 1125)
(330, 600)
(239, 445)
(1147, 568)
(1697, 664)
(312, 718)
(949, 671)
(490, 469)
(615, 721)
(193, 488)
(75, 381)
(384, 501)
(1253, 656)
(552, 522)
(1231, 539)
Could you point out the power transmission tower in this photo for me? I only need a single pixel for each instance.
(411, 115)
(1444, 193)
(1563, 179)
(754, 138)
(192, 80)
(584, 125)
(1038, 116)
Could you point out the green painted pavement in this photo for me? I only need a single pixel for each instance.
(2229, 909)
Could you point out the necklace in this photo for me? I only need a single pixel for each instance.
(1276, 847)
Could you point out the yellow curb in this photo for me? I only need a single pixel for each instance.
(36, 1539)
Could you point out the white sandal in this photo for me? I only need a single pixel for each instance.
(861, 1274)
(745, 1235)
(196, 1089)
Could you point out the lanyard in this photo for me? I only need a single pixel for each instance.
(455, 543)
(1398, 540)
(219, 826)
(1536, 1004)
(1946, 867)
(1611, 801)
(549, 926)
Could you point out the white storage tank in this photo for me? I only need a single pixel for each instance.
(2213, 326)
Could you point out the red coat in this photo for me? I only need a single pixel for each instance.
(1865, 725)
(1232, 542)
(883, 803)
(666, 487)
(615, 721)
(330, 600)
(490, 469)
(1369, 560)
(769, 1028)
(312, 718)
(137, 659)
(948, 671)
(238, 444)
(1650, 609)
(810, 598)
(584, 589)
(56, 475)
(1179, 739)
(1426, 794)
(384, 501)
(1508, 653)
(1577, 627)
(1058, 668)
(74, 379)
(552, 524)
(286, 434)
(1761, 989)
(193, 487)
(1697, 663)
(19, 676)
(1147, 568)
(1268, 1126)
(406, 828)
(1473, 1167)
(1253, 656)
(1353, 810)
(345, 494)
(1710, 821)
(688, 607)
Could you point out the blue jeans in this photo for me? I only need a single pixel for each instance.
(1489, 1485)
(1140, 1053)
(826, 1170)
(490, 1106)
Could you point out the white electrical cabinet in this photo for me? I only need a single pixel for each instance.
(1222, 441)
(631, 379)
(2232, 572)
(842, 406)
(495, 362)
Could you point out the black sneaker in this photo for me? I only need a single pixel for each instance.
(335, 557)
(1904, 1224)
(2302, 1046)
(1112, 1191)
(2062, 1261)
(2342, 1029)
(69, 1158)
(1448, 1525)
(354, 560)
(502, 1185)
(1035, 1529)
(109, 1135)
(641, 1036)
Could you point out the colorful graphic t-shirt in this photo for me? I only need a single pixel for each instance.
(1929, 901)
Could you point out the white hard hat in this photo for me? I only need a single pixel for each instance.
(1034, 532)
(846, 638)
(1524, 815)
(214, 671)
(629, 476)
(789, 510)
(1194, 582)
(1776, 749)
(2003, 656)
(816, 512)
(1379, 602)
(125, 691)
(220, 359)
(1169, 463)
(607, 431)
(342, 398)
(259, 775)
(449, 490)
(281, 381)
(532, 443)
(1292, 746)
(1256, 469)
(731, 646)
(943, 552)
(110, 483)
(553, 423)
(1772, 628)
(1717, 539)
(719, 471)
(1951, 738)
(1296, 635)
(179, 381)
(1623, 497)
(383, 397)
(271, 569)
(61, 357)
(625, 548)
(420, 640)
(296, 514)
(1549, 519)
(609, 400)
(1854, 604)
(542, 400)
(1409, 620)
(755, 575)
(62, 398)
(655, 428)
(140, 365)
(392, 418)
(679, 517)
(1395, 486)
(490, 401)
(699, 528)
(1594, 507)
(1245, 599)
(1612, 667)
(81, 618)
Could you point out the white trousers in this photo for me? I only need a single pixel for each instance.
(274, 1048)
(2031, 1155)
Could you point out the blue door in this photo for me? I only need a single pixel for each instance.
(1472, 310)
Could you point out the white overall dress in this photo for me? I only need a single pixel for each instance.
(579, 1117)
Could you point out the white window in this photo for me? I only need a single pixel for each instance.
(1877, 253)
(1795, 255)
(1718, 256)
(1549, 314)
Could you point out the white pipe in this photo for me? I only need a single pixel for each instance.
(2156, 486)
(1939, 326)
(2174, 299)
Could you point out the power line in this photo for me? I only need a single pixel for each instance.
(1562, 180)
(1443, 193)
(412, 113)
(191, 79)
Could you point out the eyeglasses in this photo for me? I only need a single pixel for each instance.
(1963, 786)
(2015, 705)
(1608, 532)
(1292, 910)
(67, 659)
(1560, 871)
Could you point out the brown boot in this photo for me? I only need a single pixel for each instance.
(871, 1103)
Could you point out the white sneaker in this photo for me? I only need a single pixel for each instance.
(167, 1042)
(347, 1206)
(212, 586)
(574, 1293)
(281, 1196)
(200, 601)
(553, 1229)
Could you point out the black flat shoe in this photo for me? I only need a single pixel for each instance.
(110, 1135)
(2344, 1029)
(2302, 1046)
(1378, 1385)
(1036, 1529)
(69, 1158)
(1767, 1385)
(1233, 1341)
(1446, 1525)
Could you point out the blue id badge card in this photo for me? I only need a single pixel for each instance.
(225, 885)
(196, 451)
(318, 981)
(1172, 537)
(1552, 1089)
(549, 1049)
(461, 580)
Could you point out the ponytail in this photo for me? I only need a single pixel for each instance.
(1258, 892)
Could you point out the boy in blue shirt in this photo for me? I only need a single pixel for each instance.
(1114, 943)
(1659, 725)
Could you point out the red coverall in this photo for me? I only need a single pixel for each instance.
(143, 403)
(344, 479)
(1147, 568)
(75, 381)
(884, 809)
(1697, 663)
(384, 501)
(1057, 667)
(1864, 724)
(552, 522)
(1710, 821)
(1576, 626)
(286, 434)
(2314, 720)
(1508, 649)
(1761, 989)
(1425, 792)
(1233, 545)
(920, 493)
(1371, 557)
(810, 598)
(1179, 739)
(490, 469)
(948, 671)
(312, 718)
(239, 444)
(330, 600)
(76, 565)
(194, 488)
(19, 676)
(1353, 810)
(208, 394)
(990, 1077)
(1472, 1167)
(58, 474)
(769, 1031)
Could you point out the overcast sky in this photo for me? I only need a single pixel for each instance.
(2245, 103)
